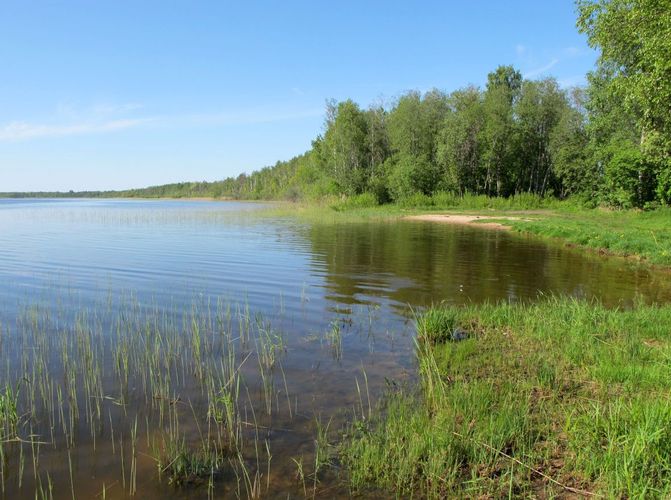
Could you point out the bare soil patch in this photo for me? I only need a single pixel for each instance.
(464, 219)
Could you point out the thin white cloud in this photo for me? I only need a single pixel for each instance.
(542, 69)
(66, 110)
(247, 117)
(573, 52)
(115, 109)
(520, 49)
(17, 131)
(22, 130)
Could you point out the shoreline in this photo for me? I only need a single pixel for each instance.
(637, 237)
(570, 237)
(473, 220)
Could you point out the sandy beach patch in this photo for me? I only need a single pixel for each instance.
(466, 219)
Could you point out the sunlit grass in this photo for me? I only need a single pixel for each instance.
(561, 397)
(645, 235)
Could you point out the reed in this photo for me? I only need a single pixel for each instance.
(105, 376)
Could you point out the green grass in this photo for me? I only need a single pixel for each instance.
(541, 400)
(436, 325)
(8, 413)
(645, 235)
(185, 467)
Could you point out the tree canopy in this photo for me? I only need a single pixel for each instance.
(634, 70)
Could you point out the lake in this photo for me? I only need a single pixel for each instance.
(187, 348)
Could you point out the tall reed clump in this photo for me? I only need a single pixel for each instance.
(560, 397)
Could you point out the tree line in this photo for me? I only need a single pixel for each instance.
(514, 136)
(608, 142)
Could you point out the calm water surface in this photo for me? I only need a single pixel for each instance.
(68, 263)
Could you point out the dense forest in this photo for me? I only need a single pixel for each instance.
(608, 142)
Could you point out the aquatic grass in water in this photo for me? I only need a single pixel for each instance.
(8, 414)
(334, 339)
(160, 401)
(104, 378)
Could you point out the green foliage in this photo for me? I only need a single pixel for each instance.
(568, 150)
(634, 37)
(540, 108)
(410, 175)
(363, 200)
(400, 180)
(415, 122)
(344, 152)
(459, 146)
(503, 90)
(629, 178)
(521, 201)
(664, 183)
(416, 200)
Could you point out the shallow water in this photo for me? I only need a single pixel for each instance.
(336, 299)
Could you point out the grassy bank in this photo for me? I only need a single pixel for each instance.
(557, 398)
(642, 235)
(645, 236)
(364, 207)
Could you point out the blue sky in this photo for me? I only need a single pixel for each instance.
(119, 94)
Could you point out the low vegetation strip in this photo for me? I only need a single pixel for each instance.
(645, 235)
(558, 398)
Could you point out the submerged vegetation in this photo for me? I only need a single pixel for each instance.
(557, 397)
(165, 396)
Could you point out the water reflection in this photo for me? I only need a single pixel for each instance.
(420, 263)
